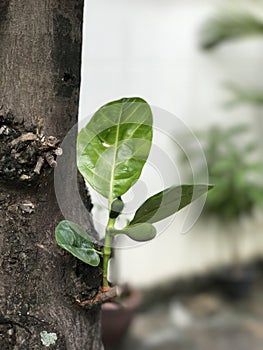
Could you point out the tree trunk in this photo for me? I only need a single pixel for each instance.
(40, 50)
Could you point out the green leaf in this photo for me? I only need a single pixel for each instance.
(168, 202)
(114, 146)
(75, 240)
(138, 232)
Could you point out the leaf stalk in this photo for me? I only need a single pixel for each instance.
(107, 252)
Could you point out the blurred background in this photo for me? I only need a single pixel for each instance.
(200, 63)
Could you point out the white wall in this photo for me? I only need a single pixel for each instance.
(149, 48)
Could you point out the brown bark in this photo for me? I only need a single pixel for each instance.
(40, 47)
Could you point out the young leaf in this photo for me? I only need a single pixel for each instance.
(116, 208)
(138, 232)
(75, 240)
(168, 202)
(114, 146)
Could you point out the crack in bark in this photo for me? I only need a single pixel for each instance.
(3, 9)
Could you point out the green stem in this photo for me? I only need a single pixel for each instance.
(107, 252)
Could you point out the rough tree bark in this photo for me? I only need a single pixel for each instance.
(40, 48)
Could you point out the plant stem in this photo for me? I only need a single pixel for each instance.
(107, 252)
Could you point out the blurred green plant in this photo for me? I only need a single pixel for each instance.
(230, 24)
(233, 170)
(244, 96)
(232, 157)
(233, 23)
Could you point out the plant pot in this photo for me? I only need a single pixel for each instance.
(117, 317)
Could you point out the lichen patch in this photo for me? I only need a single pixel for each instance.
(48, 339)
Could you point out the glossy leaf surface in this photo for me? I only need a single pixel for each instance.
(138, 232)
(168, 202)
(114, 146)
(76, 241)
